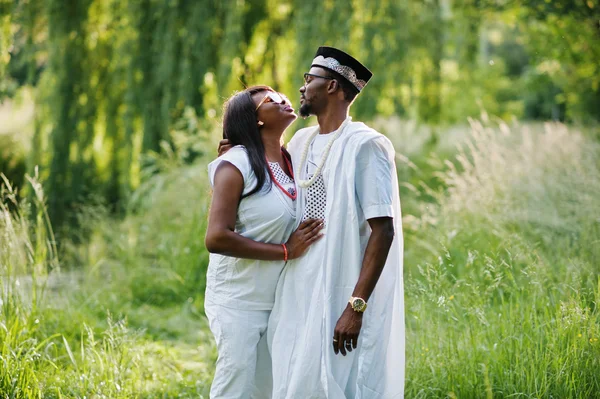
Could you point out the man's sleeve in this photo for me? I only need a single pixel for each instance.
(374, 173)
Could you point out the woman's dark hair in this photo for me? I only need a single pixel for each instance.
(240, 127)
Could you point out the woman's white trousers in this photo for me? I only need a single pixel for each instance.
(244, 364)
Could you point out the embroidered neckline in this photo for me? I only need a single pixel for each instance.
(293, 194)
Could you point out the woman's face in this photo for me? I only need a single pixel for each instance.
(274, 110)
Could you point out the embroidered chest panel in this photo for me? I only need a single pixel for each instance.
(316, 200)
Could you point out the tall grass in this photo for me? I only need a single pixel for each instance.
(56, 342)
(503, 270)
(26, 255)
(155, 256)
(501, 262)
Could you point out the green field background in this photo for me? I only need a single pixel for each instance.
(110, 111)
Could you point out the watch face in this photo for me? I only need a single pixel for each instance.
(358, 304)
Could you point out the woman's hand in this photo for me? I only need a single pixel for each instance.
(307, 233)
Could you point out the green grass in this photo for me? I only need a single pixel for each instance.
(502, 270)
(502, 275)
(78, 334)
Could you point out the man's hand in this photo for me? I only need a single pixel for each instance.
(224, 146)
(345, 335)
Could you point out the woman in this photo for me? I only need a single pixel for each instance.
(250, 236)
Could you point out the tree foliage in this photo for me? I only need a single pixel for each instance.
(113, 77)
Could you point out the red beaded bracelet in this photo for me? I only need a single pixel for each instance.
(285, 253)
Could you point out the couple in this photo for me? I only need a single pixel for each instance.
(304, 286)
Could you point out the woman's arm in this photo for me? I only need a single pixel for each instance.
(221, 237)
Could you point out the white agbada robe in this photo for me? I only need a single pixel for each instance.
(314, 290)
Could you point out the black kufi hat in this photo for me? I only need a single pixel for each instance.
(344, 64)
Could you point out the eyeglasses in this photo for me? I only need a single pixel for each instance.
(273, 97)
(306, 75)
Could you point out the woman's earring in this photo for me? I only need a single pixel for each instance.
(260, 123)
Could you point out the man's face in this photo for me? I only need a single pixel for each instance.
(313, 92)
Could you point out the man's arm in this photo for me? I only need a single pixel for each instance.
(375, 173)
(376, 253)
(348, 326)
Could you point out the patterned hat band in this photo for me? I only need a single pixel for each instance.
(345, 71)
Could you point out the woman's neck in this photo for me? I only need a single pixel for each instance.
(272, 148)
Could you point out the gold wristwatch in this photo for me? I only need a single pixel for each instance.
(358, 304)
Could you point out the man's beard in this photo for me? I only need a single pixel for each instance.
(305, 110)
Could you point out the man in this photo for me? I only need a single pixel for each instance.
(337, 328)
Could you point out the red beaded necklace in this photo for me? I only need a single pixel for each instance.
(294, 193)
